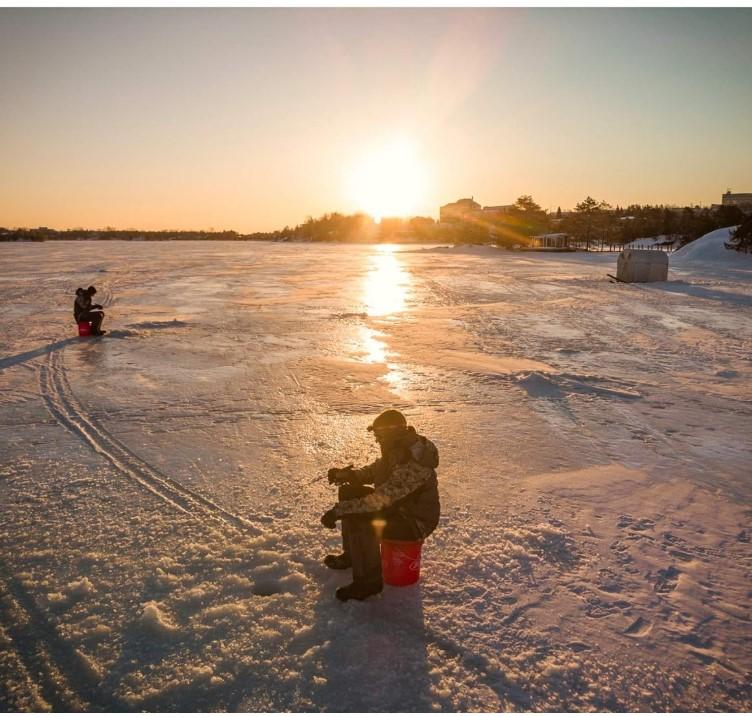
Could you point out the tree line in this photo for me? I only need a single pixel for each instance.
(47, 234)
(593, 224)
(597, 223)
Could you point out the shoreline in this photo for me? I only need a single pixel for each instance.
(428, 244)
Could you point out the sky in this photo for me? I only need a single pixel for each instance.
(252, 119)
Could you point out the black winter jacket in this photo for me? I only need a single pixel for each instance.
(83, 304)
(405, 482)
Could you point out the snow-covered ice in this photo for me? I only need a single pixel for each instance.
(161, 548)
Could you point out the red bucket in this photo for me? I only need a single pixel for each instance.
(400, 561)
(84, 328)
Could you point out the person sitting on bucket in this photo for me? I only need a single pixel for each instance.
(402, 505)
(84, 310)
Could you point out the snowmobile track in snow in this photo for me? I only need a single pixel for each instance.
(58, 670)
(64, 406)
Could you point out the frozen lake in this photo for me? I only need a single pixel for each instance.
(161, 545)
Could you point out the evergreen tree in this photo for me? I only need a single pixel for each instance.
(741, 237)
(668, 222)
(588, 218)
(528, 217)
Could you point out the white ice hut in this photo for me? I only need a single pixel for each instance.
(642, 265)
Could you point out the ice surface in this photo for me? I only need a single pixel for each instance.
(161, 548)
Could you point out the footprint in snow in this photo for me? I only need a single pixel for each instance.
(667, 580)
(639, 628)
(267, 587)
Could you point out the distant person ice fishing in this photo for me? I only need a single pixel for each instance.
(402, 505)
(84, 310)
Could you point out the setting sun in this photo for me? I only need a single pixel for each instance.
(389, 181)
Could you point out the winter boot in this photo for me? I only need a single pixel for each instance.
(366, 562)
(338, 562)
(359, 591)
(343, 561)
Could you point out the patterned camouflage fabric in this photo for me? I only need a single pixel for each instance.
(404, 480)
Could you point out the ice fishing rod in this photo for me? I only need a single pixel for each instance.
(324, 475)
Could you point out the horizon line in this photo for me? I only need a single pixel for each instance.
(212, 230)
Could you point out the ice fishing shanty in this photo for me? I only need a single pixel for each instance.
(641, 265)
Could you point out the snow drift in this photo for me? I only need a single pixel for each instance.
(711, 248)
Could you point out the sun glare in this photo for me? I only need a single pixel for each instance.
(389, 181)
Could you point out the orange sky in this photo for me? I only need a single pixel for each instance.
(250, 119)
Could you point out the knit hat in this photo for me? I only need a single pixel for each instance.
(390, 418)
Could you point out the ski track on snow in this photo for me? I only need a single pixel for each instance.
(60, 671)
(65, 408)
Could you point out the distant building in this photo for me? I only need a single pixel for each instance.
(464, 210)
(743, 201)
(558, 240)
(499, 209)
(459, 211)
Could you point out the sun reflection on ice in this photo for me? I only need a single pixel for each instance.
(387, 283)
(396, 379)
(385, 291)
(374, 349)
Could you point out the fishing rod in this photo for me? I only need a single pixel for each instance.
(324, 475)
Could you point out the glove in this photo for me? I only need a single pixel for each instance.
(329, 519)
(338, 476)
